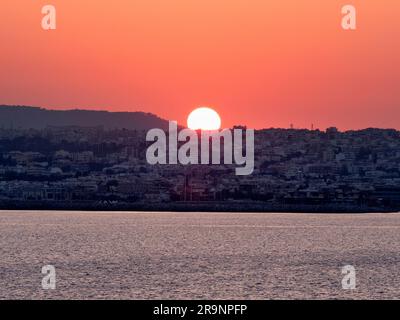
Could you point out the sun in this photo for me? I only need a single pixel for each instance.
(204, 119)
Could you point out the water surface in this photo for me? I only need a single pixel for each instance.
(129, 255)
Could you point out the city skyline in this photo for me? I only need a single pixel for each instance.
(296, 170)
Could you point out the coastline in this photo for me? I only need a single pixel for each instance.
(233, 206)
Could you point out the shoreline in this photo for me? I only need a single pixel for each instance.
(251, 207)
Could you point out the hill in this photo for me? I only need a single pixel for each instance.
(38, 118)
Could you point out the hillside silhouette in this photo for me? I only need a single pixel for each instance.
(27, 117)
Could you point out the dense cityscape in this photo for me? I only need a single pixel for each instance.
(70, 165)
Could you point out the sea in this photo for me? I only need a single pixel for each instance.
(188, 255)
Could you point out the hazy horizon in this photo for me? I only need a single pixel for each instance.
(95, 109)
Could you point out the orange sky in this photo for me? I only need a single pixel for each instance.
(264, 63)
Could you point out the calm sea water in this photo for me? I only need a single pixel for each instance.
(118, 255)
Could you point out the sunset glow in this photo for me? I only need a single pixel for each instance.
(263, 63)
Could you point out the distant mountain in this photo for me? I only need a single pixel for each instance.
(39, 118)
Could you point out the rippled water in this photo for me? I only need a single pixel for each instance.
(198, 255)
